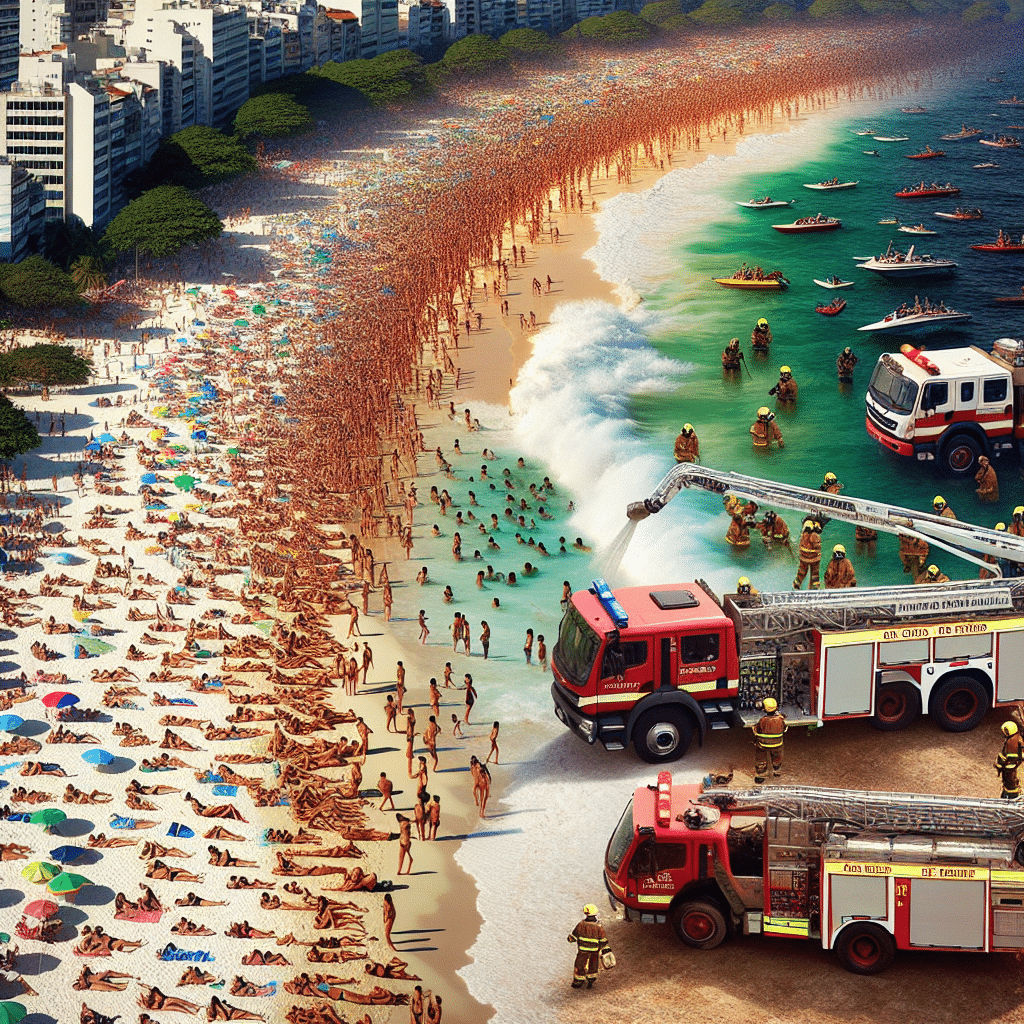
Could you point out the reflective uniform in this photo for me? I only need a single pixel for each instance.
(810, 559)
(774, 532)
(687, 447)
(591, 942)
(738, 534)
(923, 578)
(761, 338)
(844, 366)
(839, 573)
(731, 357)
(787, 390)
(988, 484)
(948, 513)
(768, 741)
(913, 554)
(763, 433)
(1007, 763)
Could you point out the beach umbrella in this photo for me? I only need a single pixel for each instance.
(41, 909)
(66, 854)
(67, 883)
(48, 817)
(80, 614)
(148, 478)
(180, 831)
(107, 439)
(93, 446)
(11, 1013)
(184, 482)
(19, 816)
(156, 435)
(8, 723)
(64, 558)
(241, 323)
(94, 646)
(98, 756)
(40, 871)
(59, 699)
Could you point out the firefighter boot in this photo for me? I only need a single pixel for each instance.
(578, 984)
(590, 982)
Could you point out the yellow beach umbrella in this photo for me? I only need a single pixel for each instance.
(40, 871)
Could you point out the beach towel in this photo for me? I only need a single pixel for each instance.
(225, 790)
(119, 821)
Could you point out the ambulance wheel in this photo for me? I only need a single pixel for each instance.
(699, 924)
(960, 455)
(959, 703)
(865, 948)
(897, 705)
(662, 734)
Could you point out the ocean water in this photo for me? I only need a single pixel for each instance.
(598, 405)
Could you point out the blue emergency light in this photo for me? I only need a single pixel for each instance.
(608, 601)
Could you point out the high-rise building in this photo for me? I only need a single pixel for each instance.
(21, 212)
(10, 43)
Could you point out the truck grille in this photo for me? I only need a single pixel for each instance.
(882, 421)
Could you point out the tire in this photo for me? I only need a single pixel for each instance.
(897, 705)
(960, 455)
(700, 924)
(959, 703)
(662, 734)
(865, 948)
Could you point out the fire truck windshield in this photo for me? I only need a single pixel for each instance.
(892, 390)
(621, 840)
(577, 648)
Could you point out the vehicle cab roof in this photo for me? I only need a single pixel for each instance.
(654, 608)
(952, 363)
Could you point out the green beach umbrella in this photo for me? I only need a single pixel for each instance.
(11, 1013)
(184, 482)
(233, 451)
(66, 883)
(241, 323)
(40, 871)
(48, 816)
(94, 646)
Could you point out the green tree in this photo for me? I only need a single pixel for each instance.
(617, 27)
(980, 12)
(834, 10)
(36, 283)
(272, 116)
(527, 42)
(193, 158)
(778, 12)
(668, 14)
(88, 274)
(65, 240)
(718, 14)
(474, 55)
(17, 434)
(161, 222)
(50, 365)
(387, 78)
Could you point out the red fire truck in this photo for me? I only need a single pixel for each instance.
(862, 873)
(655, 665)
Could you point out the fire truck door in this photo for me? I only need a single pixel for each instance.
(966, 395)
(701, 658)
(1009, 678)
(849, 679)
(627, 668)
(933, 912)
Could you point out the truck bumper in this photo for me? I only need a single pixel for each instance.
(571, 717)
(887, 441)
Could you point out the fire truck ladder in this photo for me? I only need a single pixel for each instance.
(774, 614)
(964, 540)
(916, 813)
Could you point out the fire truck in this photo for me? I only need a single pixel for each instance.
(949, 406)
(862, 873)
(656, 666)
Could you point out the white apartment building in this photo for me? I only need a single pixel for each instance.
(47, 22)
(21, 212)
(35, 135)
(378, 24)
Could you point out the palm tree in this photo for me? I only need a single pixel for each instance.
(87, 273)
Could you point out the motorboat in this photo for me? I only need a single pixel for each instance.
(1004, 244)
(1013, 101)
(987, 166)
(866, 131)
(809, 225)
(916, 229)
(770, 282)
(892, 138)
(1012, 300)
(871, 152)
(895, 264)
(765, 204)
(1001, 142)
(963, 135)
(913, 110)
(835, 185)
(833, 308)
(889, 220)
(832, 282)
(917, 319)
(923, 191)
(960, 214)
(926, 154)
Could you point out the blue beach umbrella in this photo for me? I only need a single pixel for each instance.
(66, 854)
(93, 446)
(148, 478)
(8, 723)
(97, 756)
(180, 831)
(107, 439)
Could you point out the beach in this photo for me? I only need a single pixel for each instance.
(258, 655)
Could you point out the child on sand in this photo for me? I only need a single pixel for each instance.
(494, 743)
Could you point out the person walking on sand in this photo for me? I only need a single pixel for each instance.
(387, 789)
(435, 697)
(430, 738)
(494, 743)
(404, 842)
(424, 632)
(456, 725)
(433, 817)
(400, 686)
(485, 637)
(591, 942)
(390, 714)
(353, 622)
(470, 696)
(389, 918)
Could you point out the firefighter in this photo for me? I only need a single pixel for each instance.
(1017, 524)
(864, 535)
(738, 534)
(744, 588)
(768, 734)
(786, 389)
(1009, 760)
(774, 531)
(765, 430)
(687, 446)
(913, 554)
(810, 555)
(984, 574)
(941, 508)
(845, 362)
(839, 571)
(933, 574)
(830, 484)
(987, 481)
(761, 336)
(732, 355)
(591, 942)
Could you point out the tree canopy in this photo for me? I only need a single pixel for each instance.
(64, 241)
(778, 12)
(984, 10)
(195, 157)
(272, 116)
(51, 365)
(617, 27)
(36, 283)
(87, 273)
(17, 433)
(388, 77)
(161, 222)
(473, 55)
(833, 10)
(527, 42)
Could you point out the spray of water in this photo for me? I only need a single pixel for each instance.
(609, 559)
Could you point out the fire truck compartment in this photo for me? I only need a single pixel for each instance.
(947, 913)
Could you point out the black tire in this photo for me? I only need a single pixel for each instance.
(662, 734)
(960, 454)
(959, 703)
(700, 924)
(897, 705)
(865, 948)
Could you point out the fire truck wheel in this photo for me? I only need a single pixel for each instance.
(897, 705)
(865, 948)
(662, 734)
(960, 455)
(699, 923)
(959, 703)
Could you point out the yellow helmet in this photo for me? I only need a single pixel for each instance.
(1000, 526)
(830, 478)
(1009, 728)
(765, 411)
(808, 525)
(762, 322)
(1018, 511)
(940, 502)
(933, 571)
(785, 369)
(687, 428)
(770, 704)
(590, 910)
(839, 550)
(742, 583)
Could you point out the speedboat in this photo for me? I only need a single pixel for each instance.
(889, 220)
(916, 229)
(871, 152)
(1002, 244)
(1013, 101)
(892, 138)
(832, 282)
(912, 110)
(808, 225)
(923, 191)
(961, 214)
(772, 282)
(926, 154)
(866, 131)
(963, 135)
(835, 185)
(895, 264)
(833, 308)
(1001, 142)
(985, 166)
(765, 204)
(915, 321)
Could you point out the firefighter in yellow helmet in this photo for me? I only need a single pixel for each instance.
(810, 555)
(941, 508)
(774, 531)
(687, 446)
(1009, 760)
(731, 355)
(839, 571)
(765, 430)
(913, 553)
(984, 574)
(933, 574)
(987, 481)
(1017, 523)
(845, 362)
(761, 337)
(744, 588)
(786, 389)
(768, 733)
(591, 942)
(830, 484)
